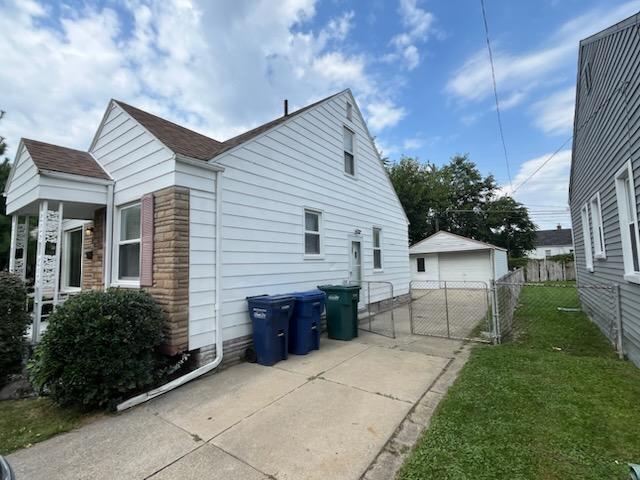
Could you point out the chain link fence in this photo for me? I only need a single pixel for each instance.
(517, 303)
(380, 301)
(458, 310)
(498, 312)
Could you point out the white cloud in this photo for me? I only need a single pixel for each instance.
(384, 114)
(554, 114)
(219, 68)
(546, 193)
(471, 82)
(413, 143)
(418, 25)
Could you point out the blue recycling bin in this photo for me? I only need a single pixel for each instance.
(304, 325)
(270, 316)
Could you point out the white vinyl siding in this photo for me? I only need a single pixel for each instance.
(202, 266)
(270, 180)
(135, 159)
(586, 236)
(598, 231)
(628, 215)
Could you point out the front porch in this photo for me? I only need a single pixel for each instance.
(59, 200)
(56, 256)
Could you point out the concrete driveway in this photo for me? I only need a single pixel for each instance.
(332, 414)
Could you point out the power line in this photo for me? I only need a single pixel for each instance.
(542, 165)
(604, 103)
(495, 92)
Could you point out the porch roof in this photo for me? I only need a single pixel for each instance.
(42, 171)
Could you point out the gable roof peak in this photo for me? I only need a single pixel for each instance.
(177, 138)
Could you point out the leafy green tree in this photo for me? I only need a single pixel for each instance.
(457, 198)
(5, 221)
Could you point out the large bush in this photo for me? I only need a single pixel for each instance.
(14, 321)
(99, 348)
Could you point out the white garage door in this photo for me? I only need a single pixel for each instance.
(465, 266)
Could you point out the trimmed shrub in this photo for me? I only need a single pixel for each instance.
(14, 321)
(100, 348)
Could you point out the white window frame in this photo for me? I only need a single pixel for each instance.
(65, 260)
(353, 152)
(424, 264)
(374, 248)
(624, 215)
(116, 280)
(349, 111)
(547, 253)
(320, 233)
(586, 237)
(599, 248)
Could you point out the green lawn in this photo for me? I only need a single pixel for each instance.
(25, 422)
(554, 404)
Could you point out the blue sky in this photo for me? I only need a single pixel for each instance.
(418, 68)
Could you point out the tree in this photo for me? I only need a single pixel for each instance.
(458, 198)
(5, 222)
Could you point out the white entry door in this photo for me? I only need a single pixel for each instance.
(355, 265)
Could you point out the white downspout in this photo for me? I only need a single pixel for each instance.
(108, 237)
(217, 308)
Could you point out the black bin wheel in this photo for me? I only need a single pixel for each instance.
(250, 355)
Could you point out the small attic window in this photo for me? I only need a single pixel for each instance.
(586, 74)
(349, 111)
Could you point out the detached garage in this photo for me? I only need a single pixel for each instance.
(447, 257)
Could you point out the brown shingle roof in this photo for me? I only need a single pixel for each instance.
(62, 159)
(243, 137)
(557, 236)
(179, 139)
(195, 145)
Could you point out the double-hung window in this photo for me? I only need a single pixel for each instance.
(586, 238)
(628, 215)
(349, 155)
(312, 232)
(420, 264)
(129, 243)
(598, 230)
(377, 248)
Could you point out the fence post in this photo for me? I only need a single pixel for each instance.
(446, 309)
(616, 294)
(411, 308)
(494, 313)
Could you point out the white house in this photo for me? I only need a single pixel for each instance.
(201, 224)
(548, 243)
(447, 257)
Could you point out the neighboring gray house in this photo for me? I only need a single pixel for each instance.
(605, 172)
(548, 243)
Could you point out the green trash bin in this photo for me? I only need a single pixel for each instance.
(342, 310)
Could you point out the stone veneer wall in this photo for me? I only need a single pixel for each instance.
(171, 263)
(92, 272)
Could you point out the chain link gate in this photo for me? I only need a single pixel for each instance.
(452, 309)
(380, 303)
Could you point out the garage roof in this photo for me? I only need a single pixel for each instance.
(449, 242)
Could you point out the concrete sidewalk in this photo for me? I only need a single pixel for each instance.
(334, 413)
